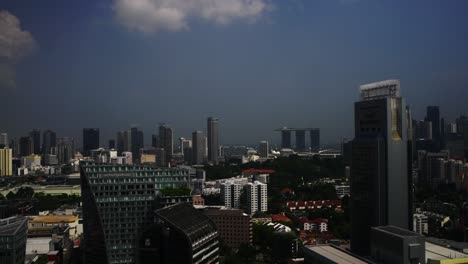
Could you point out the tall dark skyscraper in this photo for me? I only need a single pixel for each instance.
(379, 170)
(433, 116)
(213, 139)
(90, 140)
(198, 148)
(25, 146)
(165, 140)
(49, 140)
(137, 143)
(35, 136)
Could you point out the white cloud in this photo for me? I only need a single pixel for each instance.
(174, 15)
(14, 45)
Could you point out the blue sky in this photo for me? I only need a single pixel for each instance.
(281, 63)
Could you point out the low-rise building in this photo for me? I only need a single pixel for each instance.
(69, 221)
(234, 226)
(329, 254)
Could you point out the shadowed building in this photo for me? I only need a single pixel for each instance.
(213, 139)
(118, 204)
(35, 136)
(90, 140)
(49, 141)
(25, 146)
(137, 143)
(165, 140)
(198, 150)
(179, 234)
(379, 171)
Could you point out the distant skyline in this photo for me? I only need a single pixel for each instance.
(257, 65)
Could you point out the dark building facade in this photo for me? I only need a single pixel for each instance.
(136, 143)
(13, 235)
(118, 204)
(35, 136)
(379, 170)
(90, 140)
(179, 234)
(49, 141)
(165, 140)
(25, 146)
(213, 139)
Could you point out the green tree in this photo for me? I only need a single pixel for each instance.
(11, 196)
(25, 193)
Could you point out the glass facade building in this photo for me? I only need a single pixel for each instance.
(118, 201)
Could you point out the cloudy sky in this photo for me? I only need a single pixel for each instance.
(255, 64)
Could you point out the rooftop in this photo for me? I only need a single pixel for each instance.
(334, 254)
(11, 225)
(396, 231)
(184, 217)
(435, 252)
(54, 219)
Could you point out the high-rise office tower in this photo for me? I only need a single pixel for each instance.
(90, 140)
(64, 150)
(433, 116)
(25, 146)
(213, 139)
(3, 140)
(198, 150)
(118, 204)
(315, 140)
(137, 143)
(5, 162)
(379, 171)
(35, 136)
(49, 140)
(263, 149)
(165, 140)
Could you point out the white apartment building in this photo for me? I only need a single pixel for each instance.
(257, 197)
(420, 224)
(230, 194)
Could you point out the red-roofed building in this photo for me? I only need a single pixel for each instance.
(280, 218)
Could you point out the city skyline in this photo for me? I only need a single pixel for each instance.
(301, 63)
